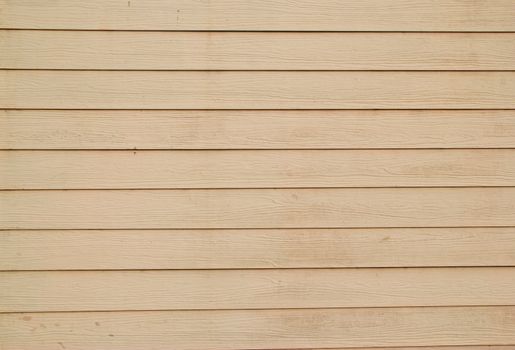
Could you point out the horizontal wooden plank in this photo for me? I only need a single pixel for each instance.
(255, 169)
(54, 129)
(260, 329)
(332, 15)
(287, 248)
(256, 51)
(473, 347)
(254, 289)
(258, 208)
(255, 90)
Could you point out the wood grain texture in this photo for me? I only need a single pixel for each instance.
(260, 329)
(256, 90)
(55, 129)
(255, 169)
(256, 289)
(475, 347)
(258, 208)
(230, 249)
(256, 51)
(329, 15)
(257, 175)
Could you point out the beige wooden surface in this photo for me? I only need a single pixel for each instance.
(327, 15)
(255, 90)
(261, 329)
(232, 249)
(258, 289)
(258, 208)
(257, 175)
(135, 129)
(255, 169)
(256, 51)
(473, 347)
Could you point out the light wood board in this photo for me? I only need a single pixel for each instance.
(256, 51)
(260, 329)
(80, 129)
(254, 289)
(258, 208)
(230, 249)
(329, 15)
(255, 169)
(255, 90)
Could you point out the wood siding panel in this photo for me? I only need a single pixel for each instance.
(257, 175)
(232, 249)
(258, 208)
(256, 51)
(476, 347)
(260, 329)
(255, 169)
(258, 289)
(313, 15)
(55, 129)
(256, 90)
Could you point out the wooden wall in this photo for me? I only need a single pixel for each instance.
(237, 175)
